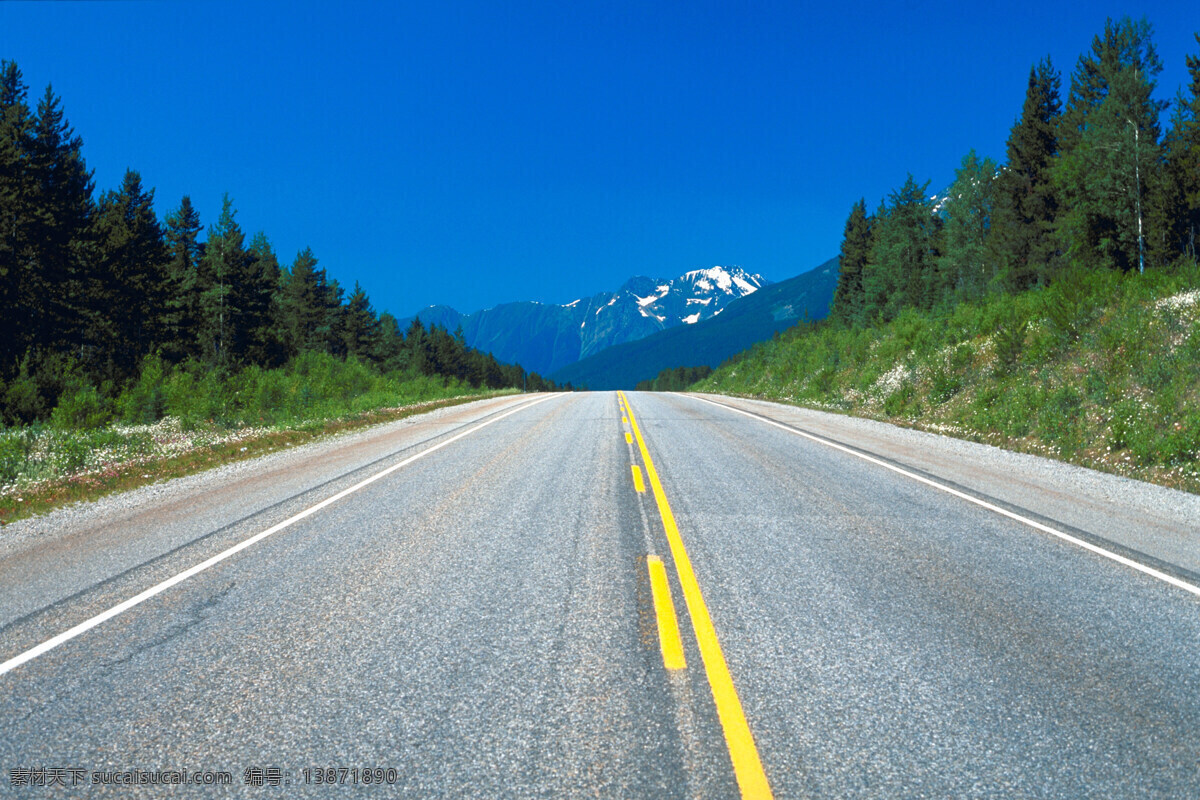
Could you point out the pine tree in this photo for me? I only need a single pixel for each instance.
(1109, 137)
(1026, 201)
(184, 252)
(361, 329)
(901, 271)
(16, 212)
(223, 265)
(1176, 211)
(856, 248)
(258, 290)
(966, 265)
(132, 276)
(300, 313)
(59, 282)
(389, 346)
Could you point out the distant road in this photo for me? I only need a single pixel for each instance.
(471, 602)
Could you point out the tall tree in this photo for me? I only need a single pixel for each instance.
(1177, 211)
(132, 275)
(258, 291)
(184, 252)
(361, 327)
(901, 271)
(60, 278)
(1026, 202)
(966, 265)
(16, 211)
(222, 267)
(302, 304)
(856, 249)
(1110, 150)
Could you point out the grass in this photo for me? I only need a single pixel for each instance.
(178, 422)
(1101, 370)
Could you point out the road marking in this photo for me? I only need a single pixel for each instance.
(664, 611)
(747, 766)
(628, 437)
(638, 483)
(625, 420)
(159, 588)
(1120, 559)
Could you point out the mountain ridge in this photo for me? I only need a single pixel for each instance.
(745, 321)
(548, 337)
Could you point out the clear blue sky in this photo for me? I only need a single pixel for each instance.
(476, 153)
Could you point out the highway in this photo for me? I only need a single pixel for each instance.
(480, 602)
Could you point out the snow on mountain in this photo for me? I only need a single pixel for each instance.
(543, 338)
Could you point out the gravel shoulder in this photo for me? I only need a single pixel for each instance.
(1161, 523)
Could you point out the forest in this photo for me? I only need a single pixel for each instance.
(1094, 183)
(98, 296)
(1050, 304)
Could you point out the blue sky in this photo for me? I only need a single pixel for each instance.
(477, 153)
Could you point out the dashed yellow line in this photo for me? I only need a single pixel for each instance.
(664, 611)
(747, 766)
(638, 483)
(628, 437)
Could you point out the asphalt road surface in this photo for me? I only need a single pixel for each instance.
(462, 606)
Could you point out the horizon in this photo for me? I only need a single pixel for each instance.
(470, 156)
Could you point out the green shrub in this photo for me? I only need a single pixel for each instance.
(80, 408)
(145, 401)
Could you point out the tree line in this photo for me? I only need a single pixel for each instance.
(675, 379)
(90, 287)
(1090, 184)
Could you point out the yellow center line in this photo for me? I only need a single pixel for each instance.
(628, 437)
(664, 611)
(638, 483)
(747, 766)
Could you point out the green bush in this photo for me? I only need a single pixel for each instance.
(145, 401)
(80, 408)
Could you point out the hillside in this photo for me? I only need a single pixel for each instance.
(1102, 370)
(750, 319)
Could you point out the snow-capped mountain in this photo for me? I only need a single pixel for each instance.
(544, 338)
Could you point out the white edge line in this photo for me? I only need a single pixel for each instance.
(1120, 559)
(159, 588)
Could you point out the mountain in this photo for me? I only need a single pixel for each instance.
(745, 321)
(544, 338)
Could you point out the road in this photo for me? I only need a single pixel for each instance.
(466, 600)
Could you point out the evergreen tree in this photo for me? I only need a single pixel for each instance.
(901, 271)
(856, 248)
(1177, 211)
(418, 352)
(184, 252)
(966, 264)
(361, 329)
(224, 265)
(16, 212)
(332, 332)
(260, 290)
(1109, 137)
(1026, 202)
(58, 282)
(389, 345)
(133, 279)
(300, 305)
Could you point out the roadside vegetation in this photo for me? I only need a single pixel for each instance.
(1049, 304)
(175, 421)
(1101, 370)
(674, 379)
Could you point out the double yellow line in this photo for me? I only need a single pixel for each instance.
(747, 766)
